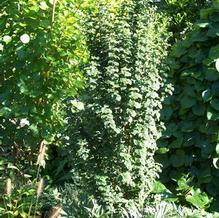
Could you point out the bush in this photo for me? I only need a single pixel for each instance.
(41, 52)
(183, 14)
(117, 132)
(189, 145)
(40, 68)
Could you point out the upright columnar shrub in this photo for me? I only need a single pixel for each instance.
(189, 146)
(41, 49)
(118, 131)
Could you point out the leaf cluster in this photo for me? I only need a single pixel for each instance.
(189, 145)
(183, 14)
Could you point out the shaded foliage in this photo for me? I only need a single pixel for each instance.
(189, 145)
(183, 14)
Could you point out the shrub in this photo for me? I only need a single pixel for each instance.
(183, 14)
(41, 53)
(189, 145)
(117, 132)
(40, 68)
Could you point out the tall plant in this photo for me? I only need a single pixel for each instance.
(113, 155)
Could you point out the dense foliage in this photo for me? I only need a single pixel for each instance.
(117, 128)
(189, 146)
(37, 75)
(89, 94)
(41, 52)
(183, 14)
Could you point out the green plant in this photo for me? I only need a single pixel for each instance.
(28, 199)
(40, 68)
(165, 209)
(183, 14)
(116, 130)
(42, 50)
(189, 145)
(77, 203)
(27, 196)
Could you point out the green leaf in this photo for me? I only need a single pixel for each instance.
(204, 174)
(166, 113)
(211, 74)
(203, 24)
(212, 114)
(183, 183)
(198, 199)
(188, 160)
(199, 37)
(198, 109)
(170, 129)
(23, 214)
(5, 111)
(187, 126)
(215, 88)
(217, 149)
(187, 102)
(158, 187)
(216, 4)
(204, 13)
(206, 148)
(213, 30)
(162, 150)
(43, 5)
(216, 163)
(177, 159)
(213, 53)
(176, 143)
(163, 159)
(34, 129)
(179, 50)
(215, 104)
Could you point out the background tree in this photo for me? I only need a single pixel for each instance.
(40, 68)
